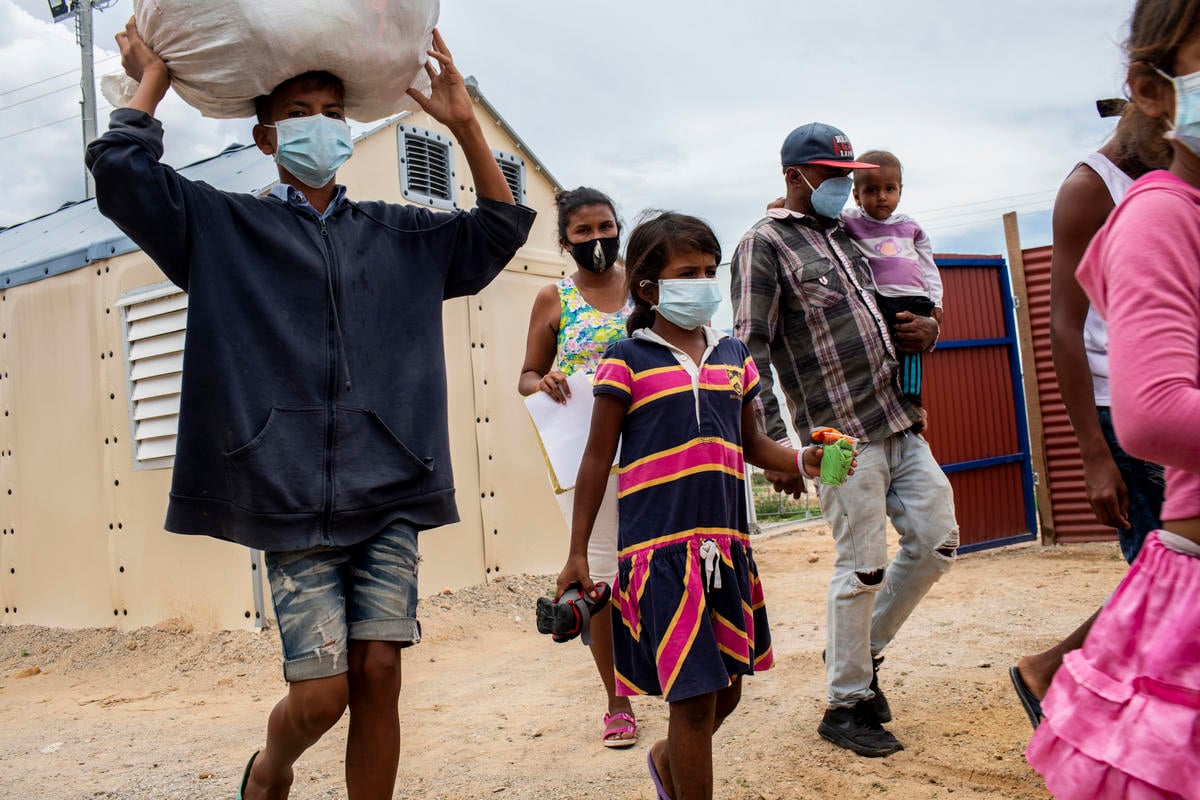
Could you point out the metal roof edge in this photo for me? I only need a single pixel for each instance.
(68, 262)
(477, 95)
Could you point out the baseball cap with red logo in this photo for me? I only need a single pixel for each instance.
(818, 143)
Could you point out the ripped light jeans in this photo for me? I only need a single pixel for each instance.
(898, 478)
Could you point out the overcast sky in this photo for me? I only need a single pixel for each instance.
(683, 104)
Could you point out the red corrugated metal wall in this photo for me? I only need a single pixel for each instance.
(976, 408)
(1072, 519)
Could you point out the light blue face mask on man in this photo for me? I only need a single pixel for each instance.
(688, 302)
(830, 197)
(1185, 129)
(312, 148)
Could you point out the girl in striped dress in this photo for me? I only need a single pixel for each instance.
(690, 618)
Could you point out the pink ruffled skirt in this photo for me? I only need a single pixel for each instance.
(1123, 714)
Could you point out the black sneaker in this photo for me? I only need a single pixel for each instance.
(883, 710)
(857, 728)
(879, 703)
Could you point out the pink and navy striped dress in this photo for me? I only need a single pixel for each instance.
(690, 611)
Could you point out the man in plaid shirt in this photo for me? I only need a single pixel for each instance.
(804, 303)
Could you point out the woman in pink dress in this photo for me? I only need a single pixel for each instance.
(1123, 713)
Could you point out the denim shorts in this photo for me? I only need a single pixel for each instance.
(326, 596)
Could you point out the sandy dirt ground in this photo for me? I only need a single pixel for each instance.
(491, 709)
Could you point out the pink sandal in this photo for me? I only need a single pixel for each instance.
(617, 724)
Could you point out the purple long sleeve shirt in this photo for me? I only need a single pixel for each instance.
(898, 252)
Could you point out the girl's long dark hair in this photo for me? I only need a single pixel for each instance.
(658, 235)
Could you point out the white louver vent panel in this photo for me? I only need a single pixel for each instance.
(155, 318)
(426, 167)
(513, 169)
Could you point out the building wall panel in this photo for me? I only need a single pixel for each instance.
(975, 426)
(1072, 519)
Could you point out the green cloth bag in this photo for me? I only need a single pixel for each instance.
(835, 462)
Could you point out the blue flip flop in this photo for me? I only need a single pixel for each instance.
(246, 775)
(658, 786)
(1029, 701)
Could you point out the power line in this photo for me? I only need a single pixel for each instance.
(52, 77)
(1033, 208)
(38, 97)
(968, 209)
(72, 118)
(927, 211)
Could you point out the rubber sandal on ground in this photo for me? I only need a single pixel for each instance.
(1029, 701)
(658, 785)
(617, 724)
(246, 775)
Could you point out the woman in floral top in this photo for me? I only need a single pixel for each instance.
(571, 324)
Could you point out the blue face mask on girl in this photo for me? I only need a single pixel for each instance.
(312, 148)
(830, 197)
(1186, 126)
(688, 302)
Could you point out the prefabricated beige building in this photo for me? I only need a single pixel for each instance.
(91, 339)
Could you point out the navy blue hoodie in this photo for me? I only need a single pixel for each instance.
(313, 409)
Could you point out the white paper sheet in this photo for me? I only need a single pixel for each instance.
(563, 429)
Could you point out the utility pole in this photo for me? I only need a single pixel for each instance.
(81, 10)
(87, 82)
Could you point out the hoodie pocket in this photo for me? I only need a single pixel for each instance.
(280, 470)
(371, 466)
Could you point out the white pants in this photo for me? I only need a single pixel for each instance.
(602, 547)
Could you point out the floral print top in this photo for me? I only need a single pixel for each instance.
(584, 333)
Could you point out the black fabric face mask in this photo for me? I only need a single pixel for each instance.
(596, 255)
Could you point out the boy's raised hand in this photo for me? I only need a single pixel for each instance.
(136, 56)
(448, 101)
(144, 66)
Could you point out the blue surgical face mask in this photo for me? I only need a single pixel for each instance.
(830, 197)
(688, 302)
(1185, 128)
(312, 148)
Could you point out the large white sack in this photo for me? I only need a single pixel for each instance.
(224, 53)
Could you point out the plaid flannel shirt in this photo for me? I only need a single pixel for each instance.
(803, 301)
